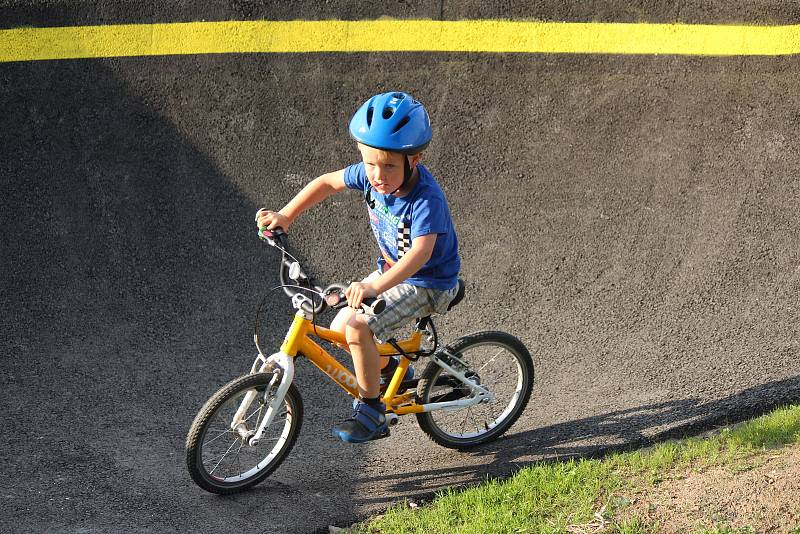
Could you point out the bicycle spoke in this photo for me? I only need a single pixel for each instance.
(223, 456)
(213, 455)
(464, 424)
(238, 461)
(258, 419)
(259, 411)
(216, 438)
(477, 425)
(491, 412)
(490, 361)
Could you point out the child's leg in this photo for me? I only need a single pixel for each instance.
(366, 360)
(368, 421)
(403, 303)
(339, 324)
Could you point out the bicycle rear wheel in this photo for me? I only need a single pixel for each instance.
(219, 459)
(495, 360)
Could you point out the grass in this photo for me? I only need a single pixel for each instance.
(583, 495)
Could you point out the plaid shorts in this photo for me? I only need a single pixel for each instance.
(404, 303)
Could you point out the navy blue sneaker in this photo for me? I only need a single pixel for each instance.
(366, 423)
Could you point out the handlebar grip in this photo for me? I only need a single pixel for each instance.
(375, 305)
(271, 236)
(265, 233)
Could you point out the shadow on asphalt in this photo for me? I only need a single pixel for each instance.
(627, 429)
(132, 275)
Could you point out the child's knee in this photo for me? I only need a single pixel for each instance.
(357, 328)
(339, 322)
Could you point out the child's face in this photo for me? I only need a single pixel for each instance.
(385, 170)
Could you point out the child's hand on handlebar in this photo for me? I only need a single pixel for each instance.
(357, 292)
(271, 219)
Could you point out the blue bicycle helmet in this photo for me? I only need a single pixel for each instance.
(394, 122)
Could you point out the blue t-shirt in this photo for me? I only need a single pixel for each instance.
(396, 221)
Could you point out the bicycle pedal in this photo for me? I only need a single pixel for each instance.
(392, 419)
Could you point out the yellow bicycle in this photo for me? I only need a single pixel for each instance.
(470, 392)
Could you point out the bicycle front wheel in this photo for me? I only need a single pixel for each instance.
(220, 459)
(497, 361)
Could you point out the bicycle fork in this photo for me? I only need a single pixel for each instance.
(282, 365)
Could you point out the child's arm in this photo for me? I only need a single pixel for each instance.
(413, 260)
(312, 194)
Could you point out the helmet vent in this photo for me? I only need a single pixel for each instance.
(369, 115)
(388, 112)
(400, 124)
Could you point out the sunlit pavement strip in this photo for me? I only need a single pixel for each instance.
(28, 44)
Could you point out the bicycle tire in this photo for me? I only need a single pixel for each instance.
(434, 385)
(227, 398)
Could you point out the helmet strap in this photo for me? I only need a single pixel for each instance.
(407, 172)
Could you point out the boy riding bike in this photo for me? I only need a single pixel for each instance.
(418, 272)
(470, 391)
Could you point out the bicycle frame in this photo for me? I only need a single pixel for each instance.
(298, 342)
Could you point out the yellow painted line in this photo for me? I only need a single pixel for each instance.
(28, 44)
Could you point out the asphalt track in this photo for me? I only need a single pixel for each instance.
(632, 219)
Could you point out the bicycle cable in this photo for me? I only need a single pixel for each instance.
(257, 325)
(277, 244)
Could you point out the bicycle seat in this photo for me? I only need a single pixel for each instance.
(459, 295)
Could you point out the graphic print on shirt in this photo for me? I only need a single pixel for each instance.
(393, 233)
(403, 238)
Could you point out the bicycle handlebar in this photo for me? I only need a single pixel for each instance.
(336, 299)
(332, 296)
